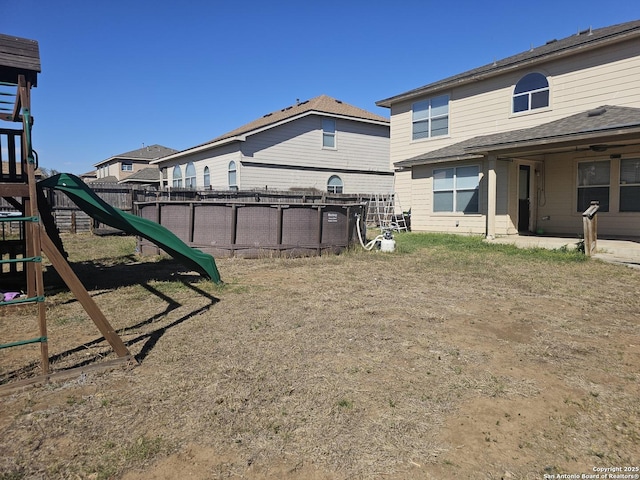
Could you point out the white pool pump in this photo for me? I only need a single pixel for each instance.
(387, 244)
(384, 242)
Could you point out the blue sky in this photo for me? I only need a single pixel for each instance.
(119, 74)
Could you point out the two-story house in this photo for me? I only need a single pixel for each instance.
(526, 143)
(119, 167)
(322, 144)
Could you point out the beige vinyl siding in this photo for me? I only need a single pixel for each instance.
(559, 176)
(282, 179)
(606, 76)
(403, 190)
(137, 165)
(423, 219)
(259, 177)
(216, 159)
(578, 83)
(359, 146)
(558, 199)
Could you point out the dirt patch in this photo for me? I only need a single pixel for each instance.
(418, 365)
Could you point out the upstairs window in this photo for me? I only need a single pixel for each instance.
(207, 178)
(190, 176)
(531, 92)
(328, 133)
(456, 189)
(334, 185)
(126, 167)
(630, 185)
(430, 118)
(233, 185)
(593, 184)
(177, 177)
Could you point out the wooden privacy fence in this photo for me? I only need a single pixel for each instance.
(256, 229)
(119, 196)
(70, 219)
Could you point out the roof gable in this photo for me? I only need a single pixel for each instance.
(148, 153)
(320, 104)
(581, 41)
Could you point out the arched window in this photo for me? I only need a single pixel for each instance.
(177, 177)
(207, 178)
(531, 92)
(334, 185)
(233, 184)
(190, 176)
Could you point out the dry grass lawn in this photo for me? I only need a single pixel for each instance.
(445, 360)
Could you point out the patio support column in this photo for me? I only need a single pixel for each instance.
(492, 191)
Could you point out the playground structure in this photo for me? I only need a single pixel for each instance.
(21, 258)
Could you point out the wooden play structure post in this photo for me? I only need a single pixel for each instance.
(19, 70)
(590, 228)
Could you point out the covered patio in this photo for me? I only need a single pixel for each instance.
(540, 179)
(584, 153)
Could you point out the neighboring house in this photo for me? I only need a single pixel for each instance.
(321, 143)
(526, 143)
(148, 177)
(88, 176)
(119, 167)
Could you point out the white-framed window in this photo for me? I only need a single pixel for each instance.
(334, 185)
(233, 183)
(177, 177)
(328, 133)
(531, 92)
(630, 185)
(594, 179)
(430, 118)
(126, 167)
(190, 176)
(206, 181)
(456, 189)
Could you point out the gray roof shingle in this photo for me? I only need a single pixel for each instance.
(145, 175)
(321, 104)
(597, 120)
(583, 40)
(109, 179)
(591, 123)
(150, 152)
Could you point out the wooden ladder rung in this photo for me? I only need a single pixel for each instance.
(36, 299)
(23, 342)
(21, 260)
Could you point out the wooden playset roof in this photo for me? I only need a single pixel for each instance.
(19, 56)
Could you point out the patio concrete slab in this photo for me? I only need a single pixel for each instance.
(624, 251)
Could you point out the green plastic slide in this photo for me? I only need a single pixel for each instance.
(97, 208)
